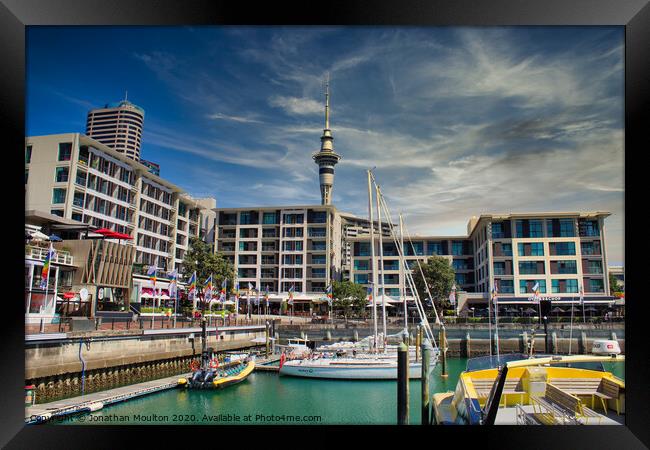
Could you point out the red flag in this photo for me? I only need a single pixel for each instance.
(283, 358)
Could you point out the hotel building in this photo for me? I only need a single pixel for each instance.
(118, 126)
(75, 177)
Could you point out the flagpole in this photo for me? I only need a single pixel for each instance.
(571, 328)
(373, 262)
(381, 267)
(582, 301)
(490, 319)
(402, 274)
(496, 324)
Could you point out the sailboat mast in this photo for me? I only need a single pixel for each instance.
(402, 290)
(381, 265)
(373, 263)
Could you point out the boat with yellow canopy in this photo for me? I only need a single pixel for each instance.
(515, 389)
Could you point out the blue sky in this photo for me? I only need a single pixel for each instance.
(457, 121)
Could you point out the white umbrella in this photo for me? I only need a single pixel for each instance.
(228, 302)
(146, 295)
(388, 305)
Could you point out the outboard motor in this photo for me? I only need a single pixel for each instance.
(197, 378)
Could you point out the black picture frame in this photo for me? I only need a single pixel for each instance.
(634, 15)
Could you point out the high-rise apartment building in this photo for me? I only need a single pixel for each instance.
(73, 176)
(118, 126)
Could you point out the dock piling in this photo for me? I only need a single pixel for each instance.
(426, 396)
(468, 345)
(418, 336)
(402, 385)
(266, 332)
(443, 348)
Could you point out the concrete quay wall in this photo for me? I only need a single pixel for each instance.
(124, 358)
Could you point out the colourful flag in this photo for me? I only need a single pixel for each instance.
(495, 291)
(222, 294)
(266, 298)
(173, 283)
(208, 288)
(291, 295)
(192, 285)
(328, 291)
(151, 271)
(45, 273)
(257, 299)
(536, 290)
(452, 296)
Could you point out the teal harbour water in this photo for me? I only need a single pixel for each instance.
(266, 398)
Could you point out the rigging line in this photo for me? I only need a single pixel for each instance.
(409, 276)
(409, 279)
(402, 260)
(424, 280)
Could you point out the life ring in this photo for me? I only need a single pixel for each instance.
(194, 365)
(214, 363)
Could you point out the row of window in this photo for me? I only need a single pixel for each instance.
(156, 193)
(558, 286)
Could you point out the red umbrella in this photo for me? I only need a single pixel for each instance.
(112, 234)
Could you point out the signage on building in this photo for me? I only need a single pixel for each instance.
(542, 298)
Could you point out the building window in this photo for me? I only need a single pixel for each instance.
(434, 248)
(505, 286)
(595, 266)
(61, 174)
(534, 249)
(536, 228)
(57, 212)
(590, 248)
(418, 246)
(361, 278)
(564, 286)
(567, 228)
(506, 249)
(26, 175)
(391, 265)
(499, 268)
(270, 218)
(596, 285)
(361, 249)
(460, 278)
(531, 267)
(456, 248)
(65, 151)
(361, 264)
(526, 286)
(589, 228)
(497, 230)
(563, 248)
(58, 195)
(28, 154)
(566, 266)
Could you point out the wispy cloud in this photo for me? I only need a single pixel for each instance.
(221, 116)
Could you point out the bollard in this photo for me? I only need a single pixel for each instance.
(402, 385)
(113, 324)
(443, 347)
(418, 342)
(468, 346)
(42, 327)
(554, 348)
(328, 335)
(523, 343)
(267, 338)
(583, 343)
(355, 337)
(613, 337)
(426, 396)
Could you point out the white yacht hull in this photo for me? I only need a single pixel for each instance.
(349, 370)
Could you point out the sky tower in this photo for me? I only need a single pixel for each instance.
(326, 158)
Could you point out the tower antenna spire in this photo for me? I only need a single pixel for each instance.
(327, 101)
(326, 158)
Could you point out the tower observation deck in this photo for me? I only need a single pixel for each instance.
(326, 158)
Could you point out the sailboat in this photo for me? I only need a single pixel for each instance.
(376, 360)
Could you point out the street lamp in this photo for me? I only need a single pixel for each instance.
(472, 309)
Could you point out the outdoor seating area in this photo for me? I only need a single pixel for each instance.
(592, 388)
(512, 386)
(561, 408)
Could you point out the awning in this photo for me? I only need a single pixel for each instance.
(112, 234)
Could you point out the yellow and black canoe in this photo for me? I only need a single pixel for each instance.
(218, 378)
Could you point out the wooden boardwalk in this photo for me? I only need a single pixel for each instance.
(92, 402)
(263, 364)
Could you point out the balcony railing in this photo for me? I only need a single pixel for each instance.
(38, 253)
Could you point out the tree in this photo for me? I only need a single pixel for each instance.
(349, 296)
(199, 258)
(440, 277)
(613, 284)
